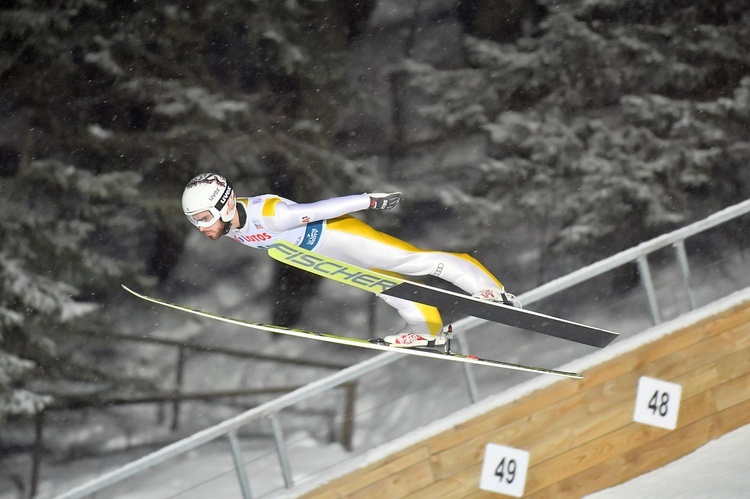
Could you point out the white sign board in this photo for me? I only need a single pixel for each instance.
(657, 403)
(504, 470)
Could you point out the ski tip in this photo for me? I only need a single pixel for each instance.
(134, 293)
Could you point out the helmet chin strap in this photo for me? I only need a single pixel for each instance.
(227, 228)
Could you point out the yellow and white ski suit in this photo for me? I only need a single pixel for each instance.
(326, 227)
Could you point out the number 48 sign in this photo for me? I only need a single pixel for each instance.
(657, 403)
(504, 470)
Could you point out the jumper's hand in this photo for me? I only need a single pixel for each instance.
(384, 201)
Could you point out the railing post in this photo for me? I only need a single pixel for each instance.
(278, 437)
(648, 283)
(471, 382)
(347, 426)
(239, 465)
(685, 268)
(372, 313)
(178, 382)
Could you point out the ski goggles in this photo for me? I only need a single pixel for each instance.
(204, 218)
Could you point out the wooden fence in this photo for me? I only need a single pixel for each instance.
(580, 435)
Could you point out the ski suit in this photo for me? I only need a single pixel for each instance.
(326, 227)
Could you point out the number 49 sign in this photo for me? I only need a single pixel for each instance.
(657, 403)
(504, 470)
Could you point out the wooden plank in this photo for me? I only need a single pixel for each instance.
(594, 452)
(399, 484)
(459, 485)
(696, 408)
(694, 356)
(380, 470)
(701, 380)
(451, 460)
(631, 463)
(619, 415)
(529, 419)
(677, 340)
(733, 392)
(653, 353)
(652, 455)
(550, 445)
(735, 364)
(456, 486)
(536, 401)
(597, 451)
(742, 335)
(734, 417)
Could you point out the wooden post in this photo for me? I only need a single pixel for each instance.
(179, 379)
(347, 426)
(36, 456)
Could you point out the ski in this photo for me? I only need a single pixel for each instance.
(374, 344)
(446, 301)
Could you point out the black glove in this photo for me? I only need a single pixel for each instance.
(384, 201)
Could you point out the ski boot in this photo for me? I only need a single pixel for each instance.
(498, 296)
(409, 339)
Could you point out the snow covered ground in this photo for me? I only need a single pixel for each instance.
(719, 469)
(391, 402)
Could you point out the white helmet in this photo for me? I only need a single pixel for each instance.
(209, 192)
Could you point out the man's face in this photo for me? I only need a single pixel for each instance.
(213, 231)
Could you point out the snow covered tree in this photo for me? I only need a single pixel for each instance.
(61, 233)
(648, 107)
(610, 124)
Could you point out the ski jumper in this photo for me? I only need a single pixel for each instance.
(326, 228)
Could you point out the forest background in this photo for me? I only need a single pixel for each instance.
(538, 135)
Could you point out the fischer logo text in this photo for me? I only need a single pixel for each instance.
(334, 270)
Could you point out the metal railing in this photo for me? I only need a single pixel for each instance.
(638, 254)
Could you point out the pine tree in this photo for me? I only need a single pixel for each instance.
(111, 107)
(611, 123)
(60, 233)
